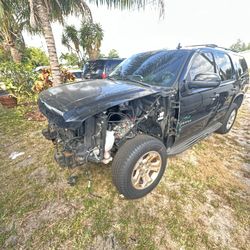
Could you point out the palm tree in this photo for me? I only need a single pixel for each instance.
(11, 25)
(71, 36)
(132, 4)
(43, 12)
(91, 36)
(86, 41)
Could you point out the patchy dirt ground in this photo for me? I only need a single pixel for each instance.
(202, 202)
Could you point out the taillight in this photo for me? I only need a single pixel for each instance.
(104, 75)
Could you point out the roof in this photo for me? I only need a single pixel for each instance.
(106, 59)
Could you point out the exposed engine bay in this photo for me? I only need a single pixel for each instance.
(101, 135)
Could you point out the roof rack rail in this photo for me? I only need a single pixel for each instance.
(210, 46)
(204, 45)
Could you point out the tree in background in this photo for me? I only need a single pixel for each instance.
(70, 59)
(43, 13)
(12, 23)
(84, 42)
(91, 36)
(240, 46)
(71, 39)
(16, 14)
(113, 53)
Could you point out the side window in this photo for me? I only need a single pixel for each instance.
(243, 66)
(202, 64)
(240, 65)
(224, 66)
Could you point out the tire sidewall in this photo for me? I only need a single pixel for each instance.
(223, 129)
(130, 164)
(233, 107)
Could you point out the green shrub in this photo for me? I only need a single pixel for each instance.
(17, 77)
(36, 57)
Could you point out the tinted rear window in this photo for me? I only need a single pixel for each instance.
(93, 66)
(110, 65)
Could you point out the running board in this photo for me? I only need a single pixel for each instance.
(189, 142)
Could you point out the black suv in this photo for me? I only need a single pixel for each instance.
(100, 69)
(153, 105)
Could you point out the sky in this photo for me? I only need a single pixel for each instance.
(220, 22)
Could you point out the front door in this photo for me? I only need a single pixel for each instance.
(197, 105)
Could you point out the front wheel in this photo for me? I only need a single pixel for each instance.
(138, 166)
(229, 119)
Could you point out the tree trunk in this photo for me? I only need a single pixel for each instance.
(50, 42)
(93, 54)
(15, 54)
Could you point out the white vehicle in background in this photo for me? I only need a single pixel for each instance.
(40, 68)
(77, 74)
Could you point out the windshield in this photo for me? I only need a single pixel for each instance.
(158, 68)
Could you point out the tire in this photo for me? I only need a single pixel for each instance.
(229, 119)
(133, 178)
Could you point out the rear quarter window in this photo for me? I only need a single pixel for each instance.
(240, 65)
(243, 69)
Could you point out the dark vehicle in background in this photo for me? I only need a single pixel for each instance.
(152, 106)
(100, 68)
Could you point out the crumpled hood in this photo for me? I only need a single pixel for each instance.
(76, 102)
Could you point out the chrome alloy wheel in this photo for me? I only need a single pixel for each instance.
(146, 170)
(231, 119)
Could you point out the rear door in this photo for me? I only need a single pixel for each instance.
(229, 85)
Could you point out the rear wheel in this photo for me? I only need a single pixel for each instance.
(138, 166)
(229, 119)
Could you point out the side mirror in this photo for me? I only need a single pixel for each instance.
(205, 80)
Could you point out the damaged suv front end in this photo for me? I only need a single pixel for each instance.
(90, 121)
(87, 129)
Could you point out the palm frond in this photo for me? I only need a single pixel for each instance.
(131, 4)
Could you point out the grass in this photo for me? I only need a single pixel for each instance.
(201, 202)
